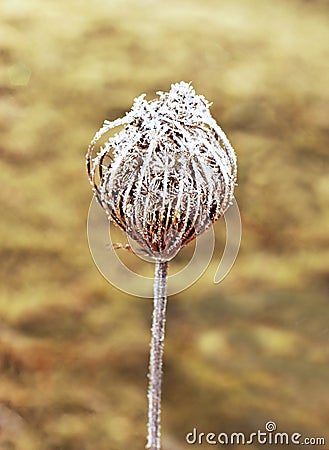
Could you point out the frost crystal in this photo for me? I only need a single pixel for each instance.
(168, 174)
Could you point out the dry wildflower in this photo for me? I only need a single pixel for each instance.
(168, 174)
(163, 179)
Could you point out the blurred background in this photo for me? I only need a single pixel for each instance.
(73, 349)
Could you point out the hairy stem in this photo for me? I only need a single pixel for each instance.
(156, 354)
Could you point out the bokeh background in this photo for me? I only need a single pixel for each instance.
(73, 349)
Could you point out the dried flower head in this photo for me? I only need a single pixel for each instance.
(168, 174)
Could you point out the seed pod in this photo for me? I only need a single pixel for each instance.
(167, 175)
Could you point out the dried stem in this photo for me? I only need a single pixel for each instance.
(156, 354)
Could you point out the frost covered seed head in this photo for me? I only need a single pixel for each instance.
(168, 174)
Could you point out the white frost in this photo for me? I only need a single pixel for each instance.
(172, 170)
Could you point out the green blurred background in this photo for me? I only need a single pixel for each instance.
(74, 350)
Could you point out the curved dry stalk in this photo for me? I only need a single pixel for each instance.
(156, 356)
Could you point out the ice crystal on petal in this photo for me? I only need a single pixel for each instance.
(168, 174)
